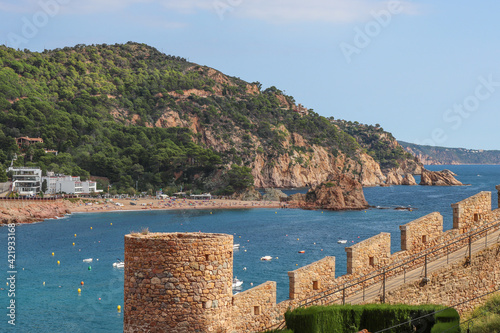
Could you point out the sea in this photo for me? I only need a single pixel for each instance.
(49, 269)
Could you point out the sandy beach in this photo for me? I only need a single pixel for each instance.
(27, 211)
(94, 205)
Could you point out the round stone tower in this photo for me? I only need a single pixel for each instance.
(178, 282)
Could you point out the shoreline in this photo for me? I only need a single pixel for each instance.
(23, 212)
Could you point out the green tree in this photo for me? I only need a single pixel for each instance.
(3, 175)
(240, 178)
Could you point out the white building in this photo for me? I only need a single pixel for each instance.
(25, 180)
(69, 185)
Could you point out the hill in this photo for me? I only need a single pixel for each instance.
(147, 120)
(432, 155)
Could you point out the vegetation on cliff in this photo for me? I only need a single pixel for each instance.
(379, 144)
(147, 120)
(433, 155)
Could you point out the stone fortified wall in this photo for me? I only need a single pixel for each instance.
(469, 213)
(370, 254)
(182, 282)
(417, 234)
(454, 283)
(312, 278)
(178, 282)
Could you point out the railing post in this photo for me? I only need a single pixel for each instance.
(486, 239)
(343, 295)
(447, 255)
(383, 288)
(363, 291)
(470, 248)
(404, 275)
(425, 267)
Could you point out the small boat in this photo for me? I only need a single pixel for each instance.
(342, 241)
(237, 283)
(87, 260)
(266, 258)
(119, 264)
(302, 251)
(236, 246)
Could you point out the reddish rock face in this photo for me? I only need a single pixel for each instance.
(341, 193)
(438, 178)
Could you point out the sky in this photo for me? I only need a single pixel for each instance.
(426, 71)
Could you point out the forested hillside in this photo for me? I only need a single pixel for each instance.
(142, 118)
(433, 155)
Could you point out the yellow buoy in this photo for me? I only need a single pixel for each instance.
(44, 283)
(210, 213)
(75, 235)
(111, 224)
(58, 262)
(79, 290)
(119, 308)
(275, 212)
(297, 239)
(321, 212)
(296, 264)
(90, 228)
(52, 253)
(73, 243)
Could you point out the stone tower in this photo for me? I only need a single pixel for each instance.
(178, 282)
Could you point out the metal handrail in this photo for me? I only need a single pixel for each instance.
(384, 270)
(341, 287)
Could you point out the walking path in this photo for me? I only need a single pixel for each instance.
(375, 292)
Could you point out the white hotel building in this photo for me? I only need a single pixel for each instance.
(28, 181)
(69, 185)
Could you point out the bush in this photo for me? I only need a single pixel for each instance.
(373, 317)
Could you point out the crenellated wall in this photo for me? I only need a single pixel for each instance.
(416, 235)
(468, 213)
(253, 309)
(370, 254)
(181, 282)
(498, 189)
(312, 278)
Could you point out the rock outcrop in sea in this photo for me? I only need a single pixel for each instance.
(409, 180)
(438, 178)
(341, 193)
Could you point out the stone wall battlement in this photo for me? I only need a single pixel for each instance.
(182, 282)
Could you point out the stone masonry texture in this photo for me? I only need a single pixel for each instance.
(182, 282)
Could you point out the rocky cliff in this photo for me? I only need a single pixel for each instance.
(15, 211)
(341, 193)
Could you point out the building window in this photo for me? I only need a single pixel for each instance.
(256, 310)
(476, 217)
(424, 239)
(315, 285)
(371, 261)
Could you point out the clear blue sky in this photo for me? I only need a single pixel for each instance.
(427, 71)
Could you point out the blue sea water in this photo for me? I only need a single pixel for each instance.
(46, 296)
